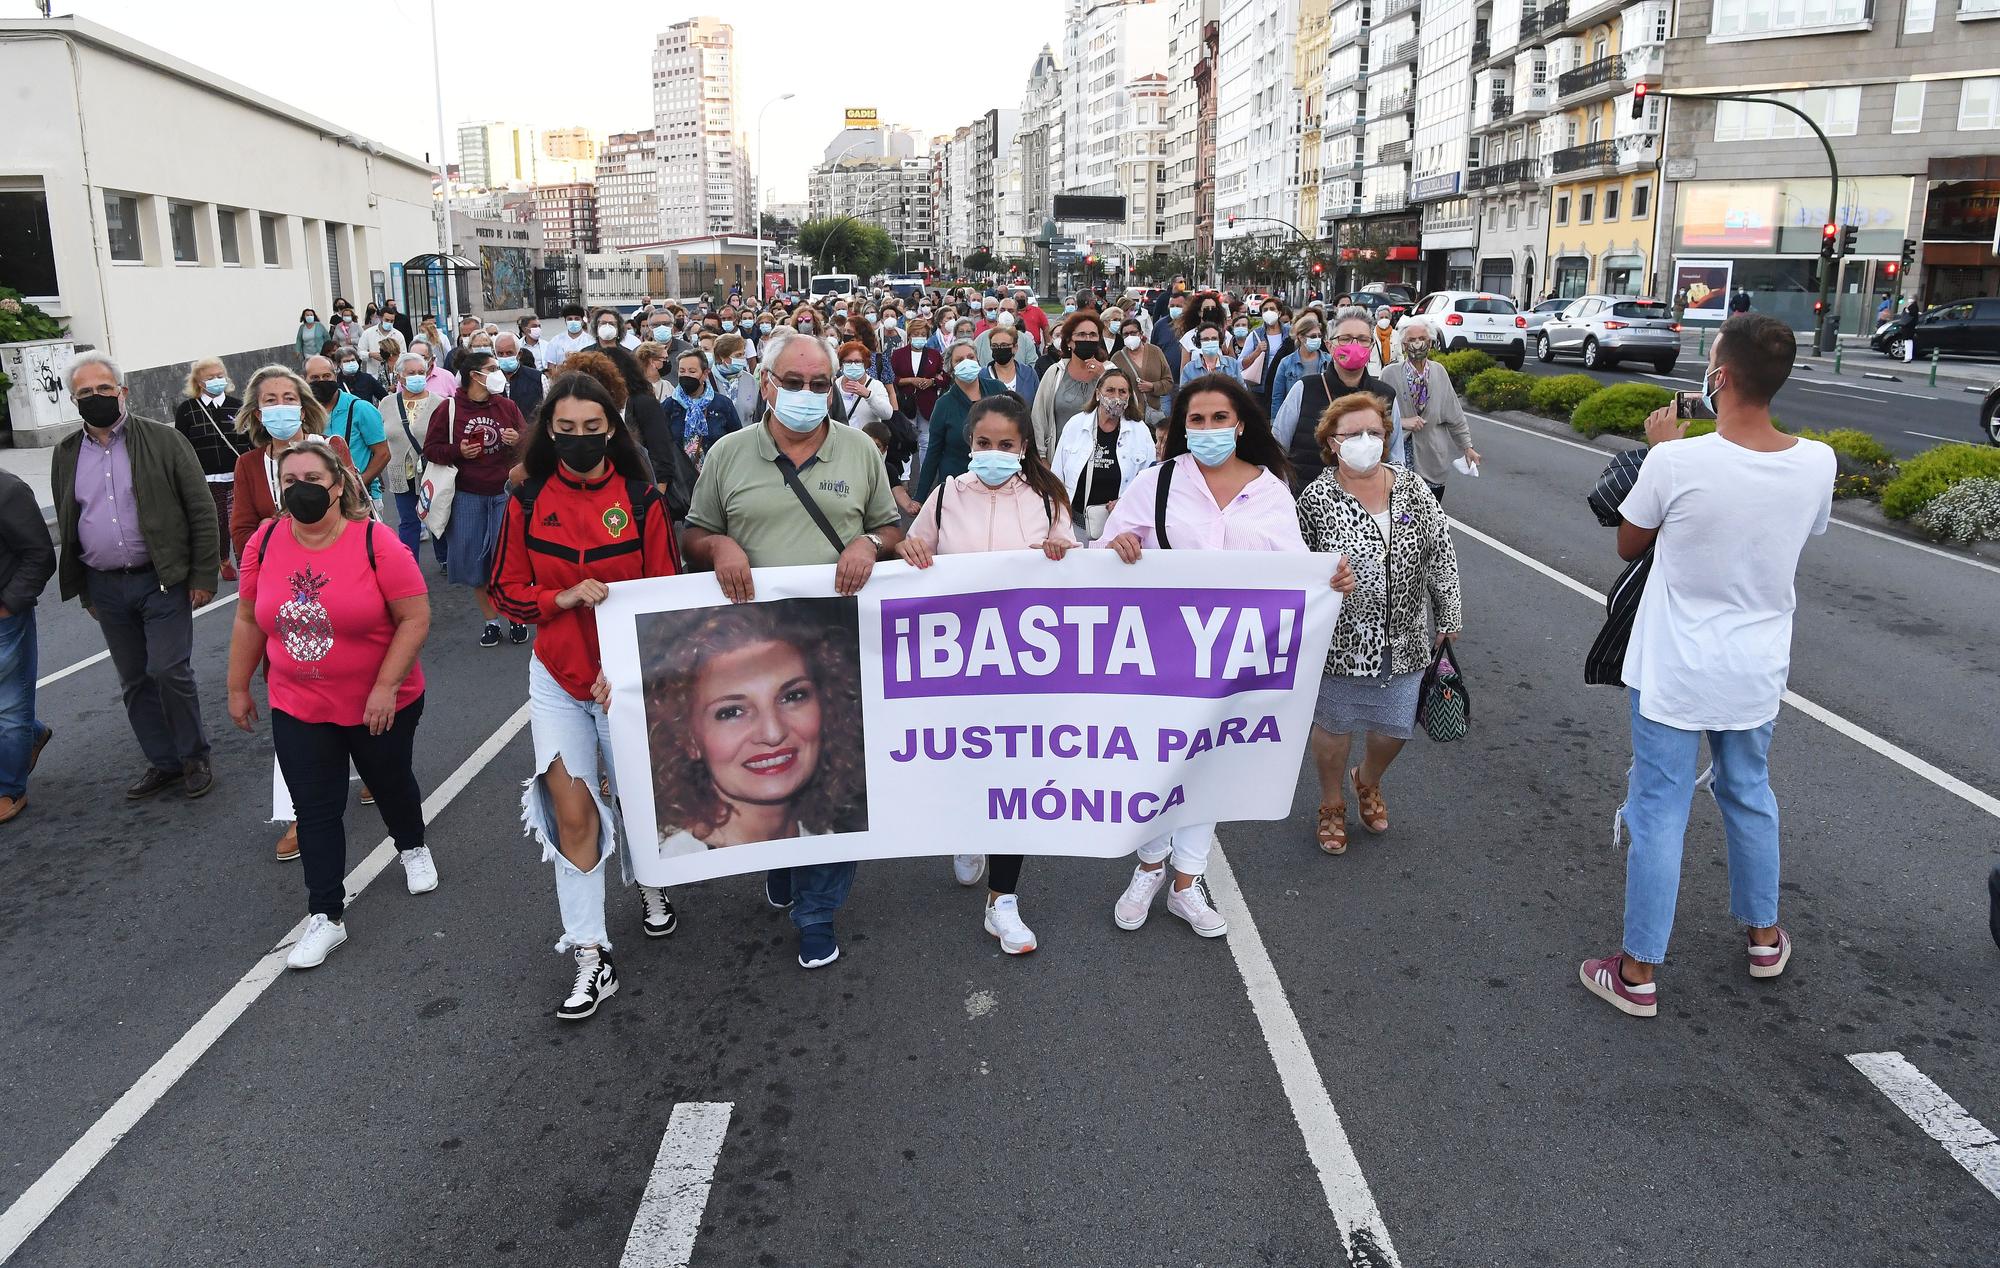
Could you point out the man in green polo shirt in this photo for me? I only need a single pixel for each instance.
(748, 514)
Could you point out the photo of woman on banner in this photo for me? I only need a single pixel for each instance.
(1224, 485)
(753, 719)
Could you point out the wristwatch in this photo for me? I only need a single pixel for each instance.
(876, 540)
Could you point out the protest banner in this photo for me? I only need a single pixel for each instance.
(993, 702)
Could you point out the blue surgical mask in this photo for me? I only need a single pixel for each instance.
(1313, 343)
(763, 327)
(1068, 308)
(728, 326)
(802, 411)
(414, 384)
(738, 365)
(1242, 333)
(853, 373)
(215, 387)
(281, 422)
(574, 326)
(1211, 347)
(1174, 311)
(1708, 392)
(509, 364)
(995, 467)
(1212, 447)
(350, 367)
(966, 371)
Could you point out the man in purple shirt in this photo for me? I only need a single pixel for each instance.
(140, 545)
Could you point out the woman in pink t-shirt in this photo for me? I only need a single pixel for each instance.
(336, 606)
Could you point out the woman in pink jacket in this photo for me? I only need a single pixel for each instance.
(1009, 500)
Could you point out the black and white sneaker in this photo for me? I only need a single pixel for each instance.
(517, 633)
(596, 981)
(490, 636)
(658, 912)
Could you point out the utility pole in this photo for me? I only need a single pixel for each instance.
(444, 177)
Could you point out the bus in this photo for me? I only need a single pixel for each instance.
(838, 285)
(907, 285)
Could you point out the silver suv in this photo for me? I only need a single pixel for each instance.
(1603, 330)
(1475, 319)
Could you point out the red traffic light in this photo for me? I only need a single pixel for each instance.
(1829, 230)
(1890, 268)
(1318, 268)
(1638, 101)
(1232, 222)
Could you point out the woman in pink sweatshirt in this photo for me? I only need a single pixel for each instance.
(1009, 500)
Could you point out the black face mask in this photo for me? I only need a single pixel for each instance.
(581, 454)
(325, 390)
(100, 411)
(690, 385)
(307, 503)
(1086, 349)
(1003, 355)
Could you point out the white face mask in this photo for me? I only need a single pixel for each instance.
(496, 382)
(606, 331)
(1361, 453)
(1132, 342)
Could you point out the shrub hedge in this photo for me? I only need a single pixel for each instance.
(1462, 366)
(1852, 442)
(1556, 397)
(1968, 511)
(1921, 479)
(1500, 389)
(1620, 408)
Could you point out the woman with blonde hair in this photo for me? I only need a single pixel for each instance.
(652, 357)
(278, 408)
(208, 419)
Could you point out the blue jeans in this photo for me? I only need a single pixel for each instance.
(1656, 810)
(409, 529)
(18, 724)
(819, 891)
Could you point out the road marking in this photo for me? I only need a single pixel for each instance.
(1340, 1177)
(1608, 454)
(1847, 389)
(88, 661)
(80, 1159)
(1946, 439)
(1944, 1120)
(1976, 797)
(669, 1217)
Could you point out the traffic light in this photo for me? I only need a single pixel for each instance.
(1318, 268)
(1890, 270)
(1819, 310)
(1909, 252)
(1829, 240)
(1232, 222)
(1639, 101)
(1847, 235)
(1090, 261)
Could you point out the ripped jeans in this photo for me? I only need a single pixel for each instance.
(579, 733)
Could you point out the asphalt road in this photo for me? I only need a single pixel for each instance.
(1116, 1098)
(1907, 415)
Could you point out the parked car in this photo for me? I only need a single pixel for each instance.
(1377, 303)
(1394, 291)
(1965, 327)
(1539, 315)
(1989, 415)
(1475, 319)
(1603, 330)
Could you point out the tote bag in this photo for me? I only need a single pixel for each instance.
(438, 484)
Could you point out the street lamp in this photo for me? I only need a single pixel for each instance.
(757, 229)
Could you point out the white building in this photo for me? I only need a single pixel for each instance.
(628, 191)
(159, 259)
(511, 156)
(1118, 43)
(893, 193)
(1188, 19)
(1443, 131)
(872, 141)
(704, 170)
(1255, 125)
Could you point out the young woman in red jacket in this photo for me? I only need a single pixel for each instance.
(586, 516)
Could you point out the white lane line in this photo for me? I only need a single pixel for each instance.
(80, 1159)
(669, 1217)
(1976, 797)
(1608, 454)
(1825, 388)
(1340, 1177)
(88, 661)
(1946, 439)
(1944, 1120)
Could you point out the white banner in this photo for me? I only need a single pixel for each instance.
(998, 703)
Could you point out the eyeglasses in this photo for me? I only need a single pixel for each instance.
(798, 383)
(1353, 339)
(107, 389)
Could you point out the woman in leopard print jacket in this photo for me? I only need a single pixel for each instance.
(1385, 521)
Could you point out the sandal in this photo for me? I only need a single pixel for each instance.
(1374, 810)
(1333, 828)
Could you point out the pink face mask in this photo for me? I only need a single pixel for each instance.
(1350, 356)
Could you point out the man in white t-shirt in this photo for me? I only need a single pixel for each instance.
(1726, 516)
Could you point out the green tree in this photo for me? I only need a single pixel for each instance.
(980, 261)
(847, 245)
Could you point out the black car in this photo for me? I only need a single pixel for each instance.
(1965, 327)
(1989, 415)
(1377, 304)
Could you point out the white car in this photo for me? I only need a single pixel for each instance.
(1475, 319)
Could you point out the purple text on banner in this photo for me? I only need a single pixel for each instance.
(1199, 642)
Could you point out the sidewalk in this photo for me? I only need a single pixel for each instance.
(1955, 374)
(32, 465)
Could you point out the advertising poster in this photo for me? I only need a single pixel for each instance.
(997, 702)
(1706, 283)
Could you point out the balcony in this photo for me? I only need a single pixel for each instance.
(1392, 9)
(1341, 127)
(1498, 176)
(1497, 109)
(1401, 53)
(1550, 18)
(1394, 152)
(1579, 158)
(1393, 103)
(1389, 202)
(1480, 49)
(1436, 223)
(1534, 100)
(1595, 74)
(1339, 82)
(1342, 39)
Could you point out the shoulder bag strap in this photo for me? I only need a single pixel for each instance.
(1165, 482)
(939, 515)
(790, 471)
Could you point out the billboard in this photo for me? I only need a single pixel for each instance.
(1091, 208)
(1727, 214)
(862, 117)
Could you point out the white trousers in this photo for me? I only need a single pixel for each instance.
(1189, 847)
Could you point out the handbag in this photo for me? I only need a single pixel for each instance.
(438, 484)
(1604, 664)
(1444, 709)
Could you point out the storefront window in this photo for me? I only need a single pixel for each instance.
(1623, 274)
(1572, 276)
(1497, 276)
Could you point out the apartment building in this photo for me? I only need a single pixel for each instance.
(1187, 20)
(1454, 38)
(628, 191)
(567, 215)
(1511, 94)
(992, 141)
(1309, 103)
(1034, 165)
(1343, 113)
(893, 193)
(1381, 240)
(1908, 93)
(704, 170)
(1257, 128)
(1117, 43)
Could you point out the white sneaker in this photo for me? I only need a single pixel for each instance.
(1136, 903)
(316, 943)
(596, 981)
(420, 871)
(970, 869)
(1193, 905)
(1003, 921)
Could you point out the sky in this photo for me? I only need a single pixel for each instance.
(366, 64)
